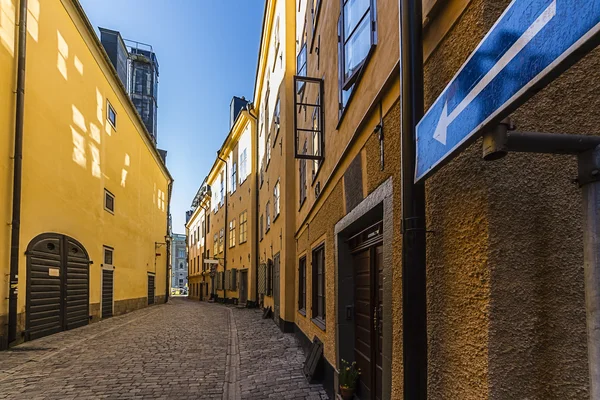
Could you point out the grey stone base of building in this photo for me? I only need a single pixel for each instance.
(160, 299)
(329, 372)
(128, 305)
(286, 326)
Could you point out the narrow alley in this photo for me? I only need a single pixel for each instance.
(179, 350)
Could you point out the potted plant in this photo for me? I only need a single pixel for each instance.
(348, 377)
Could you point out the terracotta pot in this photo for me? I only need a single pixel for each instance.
(346, 393)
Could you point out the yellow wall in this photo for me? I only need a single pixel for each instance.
(71, 154)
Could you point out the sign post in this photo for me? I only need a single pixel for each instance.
(532, 43)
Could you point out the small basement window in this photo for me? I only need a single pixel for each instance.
(109, 201)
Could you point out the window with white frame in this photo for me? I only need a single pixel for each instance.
(109, 201)
(232, 233)
(243, 165)
(222, 189)
(221, 239)
(111, 114)
(233, 177)
(357, 29)
(268, 215)
(108, 256)
(243, 227)
(216, 244)
(276, 196)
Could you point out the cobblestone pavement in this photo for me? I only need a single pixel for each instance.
(180, 350)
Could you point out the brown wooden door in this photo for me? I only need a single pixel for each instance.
(368, 300)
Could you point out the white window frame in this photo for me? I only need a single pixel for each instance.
(109, 107)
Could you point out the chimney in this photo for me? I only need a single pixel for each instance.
(237, 104)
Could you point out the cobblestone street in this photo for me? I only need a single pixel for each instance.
(180, 350)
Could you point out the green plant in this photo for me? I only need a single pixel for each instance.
(349, 374)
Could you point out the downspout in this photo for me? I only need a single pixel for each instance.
(204, 245)
(414, 300)
(168, 245)
(226, 222)
(249, 108)
(17, 177)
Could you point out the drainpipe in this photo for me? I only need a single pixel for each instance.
(249, 108)
(414, 301)
(168, 246)
(18, 166)
(226, 222)
(204, 245)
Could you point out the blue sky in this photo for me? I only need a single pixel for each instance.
(207, 52)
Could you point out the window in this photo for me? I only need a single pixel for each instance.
(277, 40)
(222, 190)
(268, 148)
(181, 282)
(108, 256)
(314, 11)
(277, 115)
(301, 67)
(276, 196)
(181, 253)
(109, 201)
(232, 233)
(216, 244)
(234, 177)
(111, 115)
(243, 227)
(302, 285)
(268, 216)
(318, 286)
(308, 119)
(221, 238)
(207, 223)
(358, 34)
(316, 139)
(261, 226)
(302, 176)
(243, 166)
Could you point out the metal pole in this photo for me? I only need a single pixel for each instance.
(589, 177)
(414, 299)
(17, 177)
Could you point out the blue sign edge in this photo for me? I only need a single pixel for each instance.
(547, 75)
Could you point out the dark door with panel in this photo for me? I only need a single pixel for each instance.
(368, 301)
(244, 287)
(107, 293)
(150, 289)
(276, 291)
(57, 285)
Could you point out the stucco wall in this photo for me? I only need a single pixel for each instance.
(505, 281)
(67, 85)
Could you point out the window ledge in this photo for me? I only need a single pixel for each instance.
(319, 322)
(302, 311)
(275, 218)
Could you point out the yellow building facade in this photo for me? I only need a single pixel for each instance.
(95, 191)
(221, 239)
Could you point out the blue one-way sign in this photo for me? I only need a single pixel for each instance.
(531, 44)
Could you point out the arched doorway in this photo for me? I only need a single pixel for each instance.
(58, 280)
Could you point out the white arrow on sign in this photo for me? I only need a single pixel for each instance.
(442, 127)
